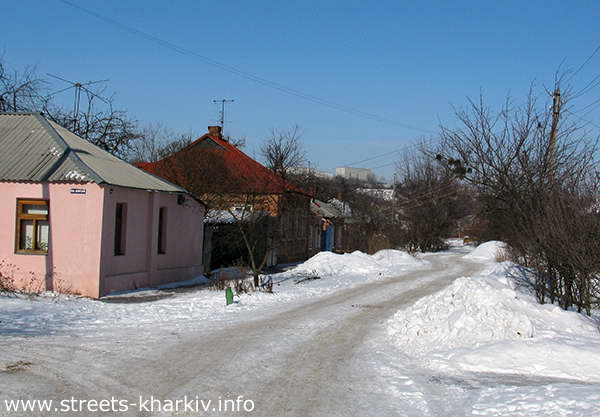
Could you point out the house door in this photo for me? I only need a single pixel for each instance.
(327, 239)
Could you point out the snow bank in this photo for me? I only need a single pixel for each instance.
(487, 251)
(391, 258)
(487, 324)
(385, 262)
(470, 311)
(455, 242)
(155, 307)
(329, 263)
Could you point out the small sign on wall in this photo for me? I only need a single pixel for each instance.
(78, 191)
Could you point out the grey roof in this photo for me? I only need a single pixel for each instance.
(323, 209)
(35, 149)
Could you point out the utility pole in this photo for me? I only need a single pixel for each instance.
(394, 198)
(553, 130)
(223, 101)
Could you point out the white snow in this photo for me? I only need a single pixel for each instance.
(490, 327)
(383, 263)
(482, 346)
(487, 251)
(145, 292)
(60, 314)
(199, 280)
(488, 324)
(455, 242)
(395, 258)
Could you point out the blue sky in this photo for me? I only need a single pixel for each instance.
(407, 62)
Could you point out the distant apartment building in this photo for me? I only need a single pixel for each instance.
(362, 174)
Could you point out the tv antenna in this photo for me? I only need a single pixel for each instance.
(223, 101)
(78, 86)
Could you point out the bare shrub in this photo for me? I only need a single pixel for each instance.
(32, 285)
(7, 280)
(431, 202)
(266, 284)
(538, 188)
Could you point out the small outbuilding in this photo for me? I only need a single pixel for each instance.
(74, 218)
(325, 228)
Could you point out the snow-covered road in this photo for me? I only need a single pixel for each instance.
(371, 341)
(312, 358)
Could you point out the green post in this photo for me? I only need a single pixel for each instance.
(228, 295)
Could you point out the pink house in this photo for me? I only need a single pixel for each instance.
(74, 218)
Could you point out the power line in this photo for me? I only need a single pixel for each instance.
(384, 165)
(584, 63)
(582, 119)
(398, 150)
(589, 105)
(244, 74)
(589, 87)
(442, 191)
(443, 195)
(436, 189)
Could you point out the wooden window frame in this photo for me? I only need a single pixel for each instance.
(20, 215)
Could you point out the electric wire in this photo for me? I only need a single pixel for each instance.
(241, 73)
(584, 63)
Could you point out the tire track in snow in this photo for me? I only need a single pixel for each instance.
(306, 361)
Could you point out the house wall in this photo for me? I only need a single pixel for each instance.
(141, 266)
(314, 235)
(73, 260)
(291, 215)
(293, 241)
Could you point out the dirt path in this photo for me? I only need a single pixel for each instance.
(300, 362)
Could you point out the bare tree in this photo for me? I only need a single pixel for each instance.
(256, 213)
(158, 142)
(283, 151)
(20, 91)
(237, 142)
(99, 121)
(430, 201)
(538, 187)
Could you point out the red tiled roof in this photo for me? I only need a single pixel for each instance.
(250, 176)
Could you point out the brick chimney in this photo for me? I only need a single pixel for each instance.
(215, 131)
